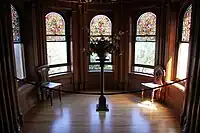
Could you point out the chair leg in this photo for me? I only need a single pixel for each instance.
(50, 95)
(142, 95)
(60, 93)
(42, 93)
(152, 96)
(46, 93)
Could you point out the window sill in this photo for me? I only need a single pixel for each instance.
(91, 71)
(60, 74)
(177, 85)
(141, 74)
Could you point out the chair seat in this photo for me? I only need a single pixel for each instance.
(51, 84)
(151, 85)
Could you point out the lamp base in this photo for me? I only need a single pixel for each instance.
(102, 106)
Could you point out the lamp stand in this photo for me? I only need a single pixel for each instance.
(102, 106)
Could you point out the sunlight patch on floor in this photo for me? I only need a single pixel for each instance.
(147, 104)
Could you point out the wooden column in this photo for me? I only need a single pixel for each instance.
(86, 43)
(30, 40)
(116, 59)
(191, 113)
(76, 48)
(161, 19)
(122, 25)
(9, 110)
(81, 44)
(170, 50)
(126, 51)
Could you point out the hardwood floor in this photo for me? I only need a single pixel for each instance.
(77, 114)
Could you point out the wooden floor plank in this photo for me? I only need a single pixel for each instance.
(77, 114)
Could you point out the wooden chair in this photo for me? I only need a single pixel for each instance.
(46, 86)
(159, 74)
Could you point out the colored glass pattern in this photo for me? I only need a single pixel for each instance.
(15, 25)
(186, 25)
(56, 42)
(145, 44)
(100, 25)
(55, 24)
(146, 24)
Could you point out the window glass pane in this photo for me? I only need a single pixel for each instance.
(94, 56)
(146, 38)
(182, 60)
(19, 60)
(145, 53)
(95, 38)
(146, 24)
(97, 67)
(55, 24)
(57, 52)
(100, 25)
(15, 25)
(58, 70)
(55, 38)
(143, 70)
(186, 25)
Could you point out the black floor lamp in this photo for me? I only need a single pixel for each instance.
(102, 106)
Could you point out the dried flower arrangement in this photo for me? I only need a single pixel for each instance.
(104, 44)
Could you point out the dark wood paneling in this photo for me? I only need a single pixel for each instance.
(135, 81)
(27, 97)
(174, 99)
(66, 80)
(94, 81)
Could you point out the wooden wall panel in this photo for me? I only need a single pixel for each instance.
(135, 80)
(174, 99)
(93, 83)
(66, 80)
(27, 97)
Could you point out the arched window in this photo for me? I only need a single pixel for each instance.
(145, 44)
(18, 46)
(100, 25)
(184, 45)
(58, 44)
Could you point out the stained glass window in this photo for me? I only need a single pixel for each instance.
(100, 25)
(146, 24)
(18, 46)
(186, 24)
(145, 44)
(57, 45)
(15, 25)
(183, 50)
(55, 24)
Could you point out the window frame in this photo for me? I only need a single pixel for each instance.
(179, 40)
(66, 16)
(134, 36)
(98, 63)
(20, 42)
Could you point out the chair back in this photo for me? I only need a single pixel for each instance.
(159, 75)
(43, 71)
